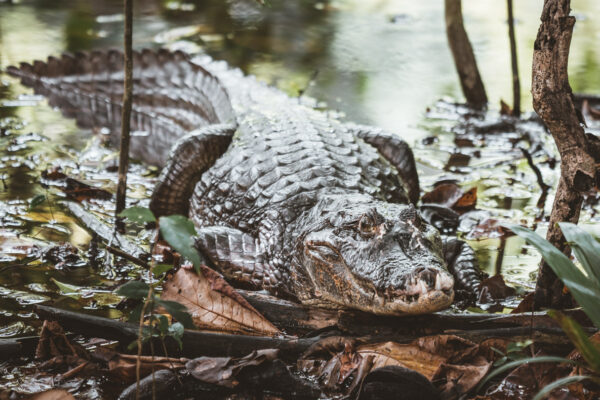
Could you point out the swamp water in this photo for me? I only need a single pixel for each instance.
(384, 63)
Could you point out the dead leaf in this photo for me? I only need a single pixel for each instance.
(214, 304)
(223, 371)
(411, 356)
(445, 194)
(494, 288)
(52, 394)
(505, 109)
(54, 343)
(454, 362)
(460, 379)
(123, 366)
(451, 195)
(73, 188)
(467, 201)
(526, 380)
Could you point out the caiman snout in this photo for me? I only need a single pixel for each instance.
(425, 289)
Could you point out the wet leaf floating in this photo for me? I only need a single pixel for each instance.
(139, 215)
(451, 195)
(213, 304)
(73, 188)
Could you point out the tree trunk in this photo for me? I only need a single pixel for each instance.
(126, 113)
(553, 101)
(513, 58)
(464, 59)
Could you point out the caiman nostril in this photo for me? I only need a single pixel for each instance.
(428, 276)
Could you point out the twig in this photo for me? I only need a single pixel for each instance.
(514, 64)
(126, 113)
(535, 169)
(127, 256)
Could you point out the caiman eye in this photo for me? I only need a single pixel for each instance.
(368, 227)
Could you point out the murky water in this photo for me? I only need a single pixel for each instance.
(378, 62)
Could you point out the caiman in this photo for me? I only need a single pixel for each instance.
(284, 197)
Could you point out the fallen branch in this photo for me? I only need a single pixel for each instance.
(127, 256)
(93, 224)
(195, 343)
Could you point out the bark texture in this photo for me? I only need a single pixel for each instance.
(514, 62)
(464, 59)
(126, 113)
(553, 101)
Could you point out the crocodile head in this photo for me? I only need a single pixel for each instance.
(373, 256)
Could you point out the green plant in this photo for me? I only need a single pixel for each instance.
(178, 231)
(584, 285)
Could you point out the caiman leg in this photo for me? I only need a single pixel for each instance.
(396, 151)
(462, 263)
(239, 257)
(190, 157)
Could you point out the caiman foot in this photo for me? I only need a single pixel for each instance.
(462, 263)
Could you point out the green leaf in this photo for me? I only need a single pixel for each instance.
(160, 269)
(586, 249)
(580, 339)
(136, 290)
(68, 290)
(581, 287)
(176, 332)
(36, 201)
(517, 363)
(559, 383)
(163, 324)
(179, 232)
(138, 215)
(178, 311)
(135, 314)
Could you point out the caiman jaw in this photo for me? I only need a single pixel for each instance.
(427, 291)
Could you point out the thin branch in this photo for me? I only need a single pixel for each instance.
(126, 114)
(513, 58)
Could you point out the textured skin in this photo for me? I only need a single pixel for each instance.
(287, 199)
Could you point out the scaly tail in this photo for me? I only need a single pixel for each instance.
(172, 96)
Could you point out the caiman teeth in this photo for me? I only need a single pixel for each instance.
(438, 282)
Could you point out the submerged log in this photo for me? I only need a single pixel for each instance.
(107, 233)
(553, 102)
(9, 348)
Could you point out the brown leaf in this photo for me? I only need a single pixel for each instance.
(74, 188)
(411, 356)
(494, 288)
(123, 366)
(505, 109)
(445, 194)
(526, 380)
(54, 343)
(459, 379)
(451, 195)
(223, 371)
(52, 394)
(455, 363)
(214, 304)
(467, 201)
